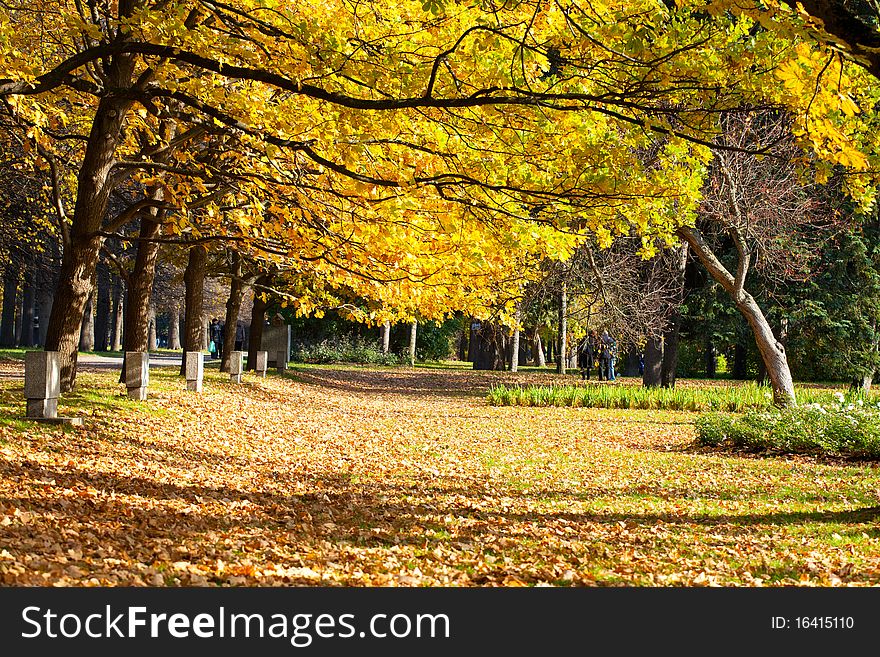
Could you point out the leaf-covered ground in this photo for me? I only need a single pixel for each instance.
(401, 477)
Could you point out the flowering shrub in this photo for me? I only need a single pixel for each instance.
(844, 427)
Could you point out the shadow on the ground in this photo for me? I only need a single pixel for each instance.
(417, 383)
(356, 510)
(125, 516)
(134, 519)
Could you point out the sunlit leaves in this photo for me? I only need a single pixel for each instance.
(360, 478)
(601, 106)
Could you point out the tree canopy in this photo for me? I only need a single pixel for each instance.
(417, 154)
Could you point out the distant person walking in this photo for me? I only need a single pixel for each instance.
(216, 338)
(587, 354)
(607, 355)
(612, 362)
(239, 335)
(212, 337)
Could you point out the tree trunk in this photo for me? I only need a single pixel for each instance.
(44, 310)
(87, 328)
(28, 308)
(136, 332)
(462, 344)
(206, 331)
(80, 256)
(740, 362)
(711, 360)
(865, 381)
(514, 343)
(10, 300)
(670, 335)
(140, 288)
(174, 327)
(237, 288)
(258, 321)
(631, 368)
(233, 308)
(152, 334)
(386, 337)
(103, 310)
(540, 359)
(563, 330)
(652, 376)
(670, 353)
(413, 330)
(68, 307)
(195, 331)
(490, 350)
(18, 322)
(118, 315)
(782, 334)
(772, 351)
(473, 340)
(523, 352)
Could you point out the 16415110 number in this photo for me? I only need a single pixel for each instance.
(824, 622)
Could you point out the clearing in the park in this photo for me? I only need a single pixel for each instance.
(358, 476)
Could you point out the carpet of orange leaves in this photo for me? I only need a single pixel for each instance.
(406, 477)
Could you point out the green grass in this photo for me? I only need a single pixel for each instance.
(12, 354)
(17, 353)
(95, 394)
(735, 399)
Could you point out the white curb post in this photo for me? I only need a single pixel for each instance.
(42, 384)
(137, 374)
(195, 370)
(236, 365)
(262, 363)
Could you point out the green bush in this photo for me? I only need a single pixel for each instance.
(844, 428)
(435, 341)
(345, 349)
(692, 361)
(714, 428)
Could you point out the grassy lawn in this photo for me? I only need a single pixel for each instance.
(17, 353)
(384, 476)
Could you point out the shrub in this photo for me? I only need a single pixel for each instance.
(844, 428)
(714, 428)
(435, 341)
(736, 399)
(345, 350)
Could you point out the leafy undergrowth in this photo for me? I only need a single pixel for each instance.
(400, 477)
(840, 429)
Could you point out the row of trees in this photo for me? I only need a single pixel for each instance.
(333, 159)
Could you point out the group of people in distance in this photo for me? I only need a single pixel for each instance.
(216, 333)
(598, 351)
